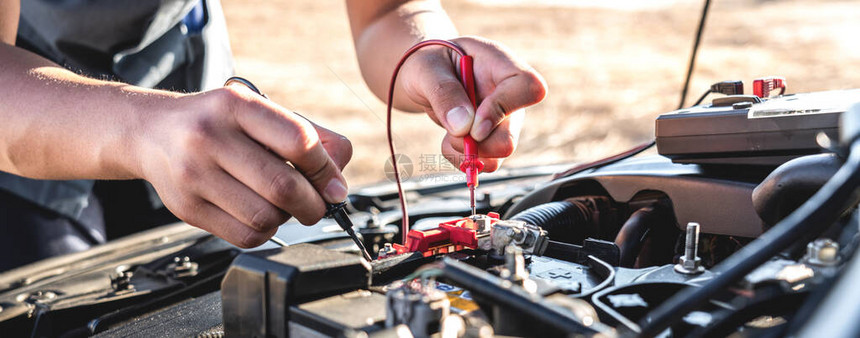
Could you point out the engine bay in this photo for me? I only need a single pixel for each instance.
(595, 251)
(732, 240)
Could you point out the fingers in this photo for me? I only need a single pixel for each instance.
(211, 218)
(219, 160)
(240, 202)
(515, 92)
(501, 143)
(441, 89)
(338, 147)
(456, 157)
(270, 178)
(296, 140)
(504, 84)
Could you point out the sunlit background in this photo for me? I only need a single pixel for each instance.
(611, 66)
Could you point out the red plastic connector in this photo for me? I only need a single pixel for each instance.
(763, 86)
(451, 236)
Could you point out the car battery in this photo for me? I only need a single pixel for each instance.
(748, 130)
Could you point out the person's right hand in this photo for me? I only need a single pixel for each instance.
(218, 161)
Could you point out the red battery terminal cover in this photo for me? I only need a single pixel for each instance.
(451, 236)
(762, 87)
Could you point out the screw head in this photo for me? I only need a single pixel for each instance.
(37, 297)
(122, 281)
(182, 267)
(822, 251)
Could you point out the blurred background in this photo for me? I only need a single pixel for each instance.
(611, 66)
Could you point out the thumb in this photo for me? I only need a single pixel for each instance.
(451, 107)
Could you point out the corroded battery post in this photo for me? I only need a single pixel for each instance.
(530, 238)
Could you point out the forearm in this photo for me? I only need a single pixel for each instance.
(383, 30)
(59, 125)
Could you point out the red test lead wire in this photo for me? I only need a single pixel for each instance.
(471, 165)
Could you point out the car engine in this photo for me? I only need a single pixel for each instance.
(743, 223)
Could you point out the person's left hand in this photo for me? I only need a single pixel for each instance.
(504, 86)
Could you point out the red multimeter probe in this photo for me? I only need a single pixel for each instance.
(471, 165)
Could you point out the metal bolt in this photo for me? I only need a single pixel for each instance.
(690, 263)
(822, 251)
(40, 297)
(373, 220)
(516, 235)
(122, 281)
(515, 264)
(183, 267)
(692, 245)
(388, 249)
(515, 269)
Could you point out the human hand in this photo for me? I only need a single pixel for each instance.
(218, 161)
(504, 86)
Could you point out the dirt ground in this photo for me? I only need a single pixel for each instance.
(612, 67)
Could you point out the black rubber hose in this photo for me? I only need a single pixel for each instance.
(839, 194)
(566, 221)
(791, 184)
(630, 237)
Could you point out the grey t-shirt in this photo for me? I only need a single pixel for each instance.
(176, 44)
